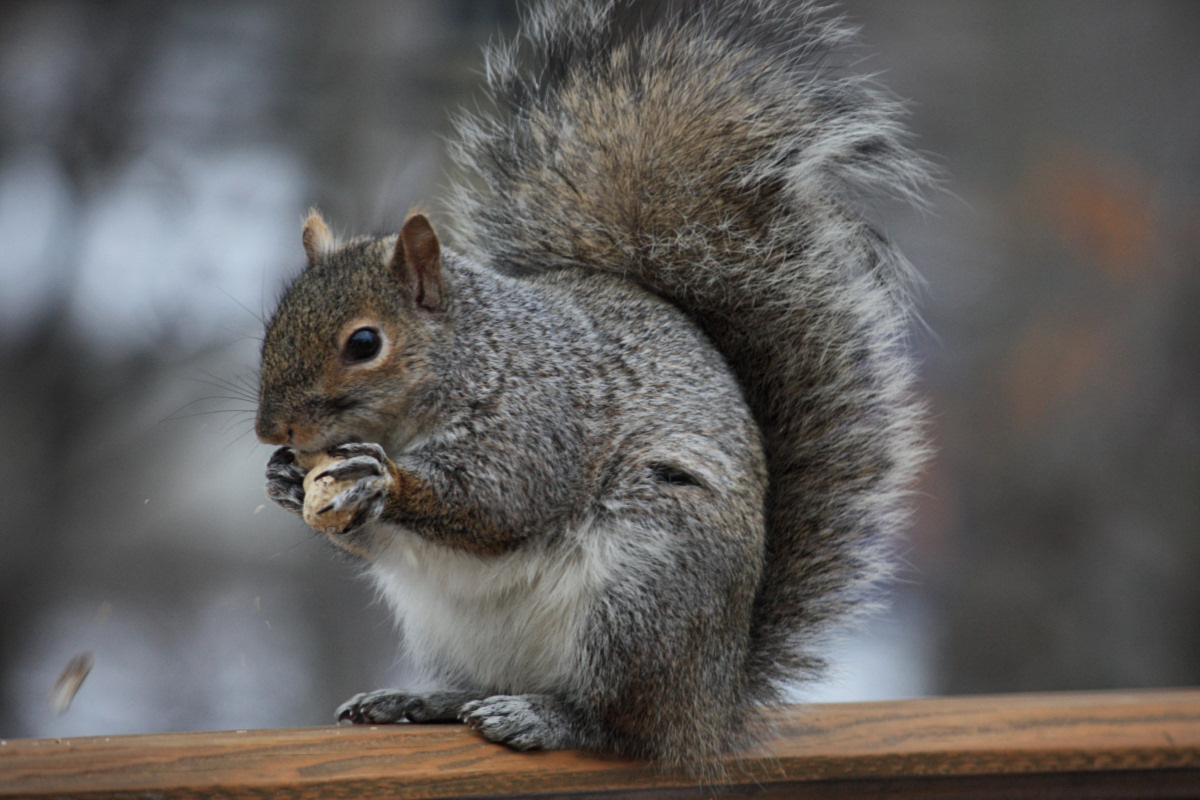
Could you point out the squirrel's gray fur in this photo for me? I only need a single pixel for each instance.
(652, 441)
(713, 156)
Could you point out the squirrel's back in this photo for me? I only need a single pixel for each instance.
(710, 153)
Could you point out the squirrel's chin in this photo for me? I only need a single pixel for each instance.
(354, 544)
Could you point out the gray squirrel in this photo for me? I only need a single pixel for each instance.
(623, 457)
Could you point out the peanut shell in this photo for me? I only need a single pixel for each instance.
(319, 492)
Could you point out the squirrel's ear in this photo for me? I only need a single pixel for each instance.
(318, 241)
(417, 261)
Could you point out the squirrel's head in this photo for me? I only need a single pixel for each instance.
(349, 346)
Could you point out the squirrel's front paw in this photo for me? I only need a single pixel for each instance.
(285, 480)
(365, 468)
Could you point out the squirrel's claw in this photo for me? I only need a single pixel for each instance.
(367, 497)
(353, 450)
(354, 468)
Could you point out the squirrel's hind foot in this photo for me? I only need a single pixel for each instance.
(387, 706)
(523, 722)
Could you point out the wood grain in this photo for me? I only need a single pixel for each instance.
(1104, 744)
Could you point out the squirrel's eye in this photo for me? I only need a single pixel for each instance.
(362, 345)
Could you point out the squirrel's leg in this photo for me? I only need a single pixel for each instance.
(393, 705)
(378, 483)
(472, 515)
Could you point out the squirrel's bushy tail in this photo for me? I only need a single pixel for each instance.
(712, 153)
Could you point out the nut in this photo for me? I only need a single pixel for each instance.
(320, 491)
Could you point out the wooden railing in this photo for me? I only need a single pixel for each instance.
(1104, 744)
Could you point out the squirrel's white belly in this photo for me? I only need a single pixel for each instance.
(508, 624)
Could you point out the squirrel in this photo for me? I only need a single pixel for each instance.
(622, 457)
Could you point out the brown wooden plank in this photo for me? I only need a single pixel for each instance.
(1119, 744)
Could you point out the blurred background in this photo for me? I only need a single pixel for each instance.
(156, 160)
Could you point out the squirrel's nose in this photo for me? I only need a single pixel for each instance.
(270, 432)
(278, 436)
